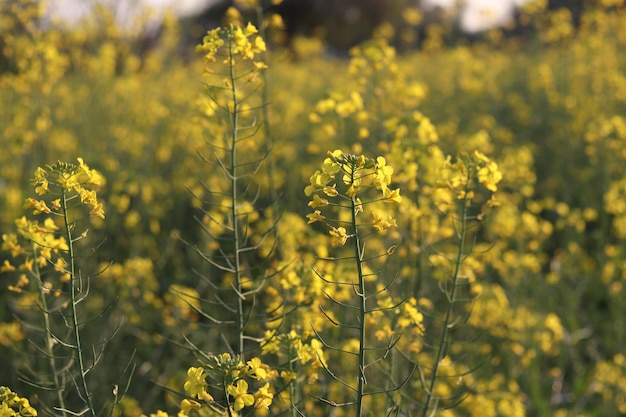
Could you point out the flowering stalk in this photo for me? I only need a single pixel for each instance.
(358, 175)
(459, 179)
(49, 338)
(71, 184)
(233, 217)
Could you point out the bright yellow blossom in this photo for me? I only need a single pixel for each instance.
(263, 397)
(240, 394)
(340, 236)
(315, 217)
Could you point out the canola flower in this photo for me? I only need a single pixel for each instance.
(229, 376)
(12, 405)
(344, 177)
(532, 194)
(240, 41)
(41, 243)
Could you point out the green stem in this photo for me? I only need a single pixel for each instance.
(362, 310)
(292, 384)
(74, 281)
(234, 120)
(451, 300)
(49, 338)
(227, 396)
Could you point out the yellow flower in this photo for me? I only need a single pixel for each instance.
(263, 397)
(330, 191)
(38, 206)
(250, 30)
(42, 188)
(339, 235)
(392, 195)
(240, 394)
(189, 405)
(380, 223)
(315, 217)
(257, 368)
(358, 206)
(41, 180)
(7, 267)
(195, 385)
(259, 65)
(97, 211)
(318, 181)
(488, 173)
(288, 376)
(318, 202)
(92, 176)
(383, 174)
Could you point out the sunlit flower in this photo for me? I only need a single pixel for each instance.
(240, 395)
(316, 216)
(196, 384)
(38, 206)
(263, 397)
(339, 235)
(392, 195)
(187, 405)
(381, 223)
(318, 202)
(257, 368)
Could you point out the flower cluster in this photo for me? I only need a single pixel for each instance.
(231, 378)
(458, 177)
(39, 245)
(240, 41)
(371, 57)
(12, 405)
(292, 345)
(65, 179)
(358, 174)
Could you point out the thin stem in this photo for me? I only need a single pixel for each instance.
(292, 386)
(362, 309)
(82, 380)
(49, 338)
(229, 409)
(234, 119)
(452, 295)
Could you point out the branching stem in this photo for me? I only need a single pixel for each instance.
(74, 300)
(49, 338)
(234, 120)
(451, 298)
(358, 257)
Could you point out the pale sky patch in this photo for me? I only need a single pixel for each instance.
(478, 15)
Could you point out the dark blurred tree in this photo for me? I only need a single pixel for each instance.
(341, 24)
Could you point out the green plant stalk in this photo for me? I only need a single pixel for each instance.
(362, 309)
(49, 338)
(452, 295)
(82, 381)
(293, 391)
(234, 120)
(227, 397)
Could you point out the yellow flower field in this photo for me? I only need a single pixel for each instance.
(251, 229)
